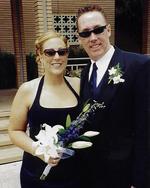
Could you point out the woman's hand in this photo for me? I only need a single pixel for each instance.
(53, 161)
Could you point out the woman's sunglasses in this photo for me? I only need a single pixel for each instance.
(52, 52)
(96, 30)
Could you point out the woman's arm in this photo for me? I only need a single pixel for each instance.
(18, 119)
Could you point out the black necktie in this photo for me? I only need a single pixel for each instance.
(93, 79)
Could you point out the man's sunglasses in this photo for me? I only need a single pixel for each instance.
(96, 30)
(52, 52)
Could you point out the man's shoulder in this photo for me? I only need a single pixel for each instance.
(135, 55)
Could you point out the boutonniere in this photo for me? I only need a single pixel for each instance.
(115, 74)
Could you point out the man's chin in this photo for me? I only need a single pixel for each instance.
(96, 55)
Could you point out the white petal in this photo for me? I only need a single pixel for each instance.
(44, 140)
(48, 128)
(40, 135)
(122, 80)
(57, 127)
(45, 124)
(81, 144)
(112, 71)
(53, 152)
(54, 138)
(91, 133)
(116, 80)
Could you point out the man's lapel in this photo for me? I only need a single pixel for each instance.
(108, 90)
(85, 89)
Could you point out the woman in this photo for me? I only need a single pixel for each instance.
(48, 99)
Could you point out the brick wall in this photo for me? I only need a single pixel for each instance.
(45, 9)
(29, 25)
(6, 26)
(36, 18)
(6, 33)
(71, 6)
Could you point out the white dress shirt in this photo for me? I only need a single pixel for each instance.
(102, 64)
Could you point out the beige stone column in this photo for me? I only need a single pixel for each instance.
(43, 21)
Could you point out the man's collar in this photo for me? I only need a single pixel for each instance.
(107, 56)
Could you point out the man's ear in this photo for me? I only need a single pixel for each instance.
(77, 35)
(108, 27)
(80, 43)
(79, 39)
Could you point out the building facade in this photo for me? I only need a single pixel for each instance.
(21, 21)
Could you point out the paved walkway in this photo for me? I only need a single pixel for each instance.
(9, 175)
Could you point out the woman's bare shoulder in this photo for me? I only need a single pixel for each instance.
(27, 91)
(29, 86)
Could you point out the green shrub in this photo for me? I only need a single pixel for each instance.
(32, 67)
(7, 70)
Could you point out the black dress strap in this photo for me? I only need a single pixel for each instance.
(39, 90)
(37, 97)
(71, 88)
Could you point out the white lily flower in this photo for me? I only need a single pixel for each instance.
(46, 142)
(118, 79)
(52, 151)
(91, 133)
(115, 74)
(47, 151)
(122, 80)
(49, 135)
(41, 136)
(57, 128)
(81, 144)
(112, 71)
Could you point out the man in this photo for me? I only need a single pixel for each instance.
(118, 158)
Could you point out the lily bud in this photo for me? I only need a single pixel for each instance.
(91, 133)
(81, 144)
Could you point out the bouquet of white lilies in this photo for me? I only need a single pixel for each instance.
(56, 141)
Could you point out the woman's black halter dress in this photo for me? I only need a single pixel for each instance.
(68, 173)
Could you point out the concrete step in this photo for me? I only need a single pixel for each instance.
(4, 113)
(4, 121)
(4, 139)
(10, 154)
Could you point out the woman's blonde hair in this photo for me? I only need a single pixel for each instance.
(46, 36)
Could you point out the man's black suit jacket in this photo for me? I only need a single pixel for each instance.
(119, 155)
